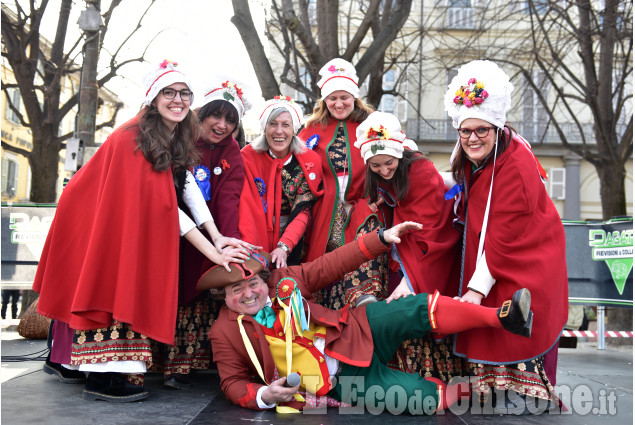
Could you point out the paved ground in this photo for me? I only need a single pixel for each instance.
(596, 385)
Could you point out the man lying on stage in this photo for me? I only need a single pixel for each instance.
(271, 327)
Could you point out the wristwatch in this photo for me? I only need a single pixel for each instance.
(283, 246)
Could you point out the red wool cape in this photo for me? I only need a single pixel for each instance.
(112, 250)
(324, 208)
(255, 225)
(430, 258)
(524, 247)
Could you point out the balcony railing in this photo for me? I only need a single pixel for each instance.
(460, 18)
(442, 130)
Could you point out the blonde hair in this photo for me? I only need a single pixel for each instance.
(322, 116)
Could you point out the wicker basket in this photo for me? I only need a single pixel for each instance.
(33, 325)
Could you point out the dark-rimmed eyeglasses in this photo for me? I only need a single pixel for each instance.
(170, 94)
(481, 132)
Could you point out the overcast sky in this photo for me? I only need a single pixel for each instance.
(196, 33)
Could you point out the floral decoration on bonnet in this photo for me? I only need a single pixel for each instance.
(165, 63)
(281, 97)
(232, 87)
(333, 69)
(472, 94)
(377, 132)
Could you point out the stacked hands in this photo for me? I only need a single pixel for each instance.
(232, 250)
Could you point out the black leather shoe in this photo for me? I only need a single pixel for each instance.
(112, 387)
(177, 381)
(66, 376)
(515, 314)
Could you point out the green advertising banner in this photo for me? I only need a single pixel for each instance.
(600, 262)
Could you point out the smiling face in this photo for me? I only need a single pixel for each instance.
(247, 296)
(217, 127)
(383, 165)
(474, 147)
(279, 134)
(172, 111)
(340, 104)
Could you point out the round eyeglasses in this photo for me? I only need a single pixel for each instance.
(170, 94)
(481, 132)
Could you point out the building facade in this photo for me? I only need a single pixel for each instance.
(440, 36)
(16, 172)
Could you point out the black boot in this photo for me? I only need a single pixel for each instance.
(177, 381)
(515, 314)
(66, 376)
(112, 387)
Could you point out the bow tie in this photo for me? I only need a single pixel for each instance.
(266, 317)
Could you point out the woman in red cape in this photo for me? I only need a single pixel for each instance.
(408, 187)
(513, 237)
(219, 173)
(109, 268)
(342, 214)
(283, 179)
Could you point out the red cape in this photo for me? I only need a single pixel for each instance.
(225, 189)
(428, 256)
(112, 250)
(525, 248)
(257, 226)
(323, 210)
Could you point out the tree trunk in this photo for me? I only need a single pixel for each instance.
(243, 21)
(612, 192)
(44, 160)
(375, 89)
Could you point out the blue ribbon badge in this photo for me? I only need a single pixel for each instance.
(262, 189)
(202, 175)
(312, 141)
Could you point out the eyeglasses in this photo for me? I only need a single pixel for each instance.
(481, 132)
(170, 94)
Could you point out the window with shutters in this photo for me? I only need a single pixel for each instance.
(9, 175)
(16, 100)
(535, 116)
(557, 183)
(460, 14)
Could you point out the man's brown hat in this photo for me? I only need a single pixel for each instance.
(217, 277)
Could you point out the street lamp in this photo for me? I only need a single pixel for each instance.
(90, 22)
(90, 19)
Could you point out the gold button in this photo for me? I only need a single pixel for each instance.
(321, 360)
(310, 343)
(279, 333)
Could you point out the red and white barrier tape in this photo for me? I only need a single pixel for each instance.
(594, 334)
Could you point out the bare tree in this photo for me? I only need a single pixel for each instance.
(585, 56)
(577, 57)
(306, 35)
(39, 68)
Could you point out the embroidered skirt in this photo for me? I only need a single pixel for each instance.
(115, 343)
(527, 378)
(370, 278)
(429, 358)
(191, 349)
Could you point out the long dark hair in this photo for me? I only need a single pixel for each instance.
(504, 136)
(163, 148)
(399, 181)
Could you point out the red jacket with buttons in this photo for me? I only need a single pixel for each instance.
(348, 335)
